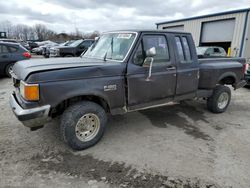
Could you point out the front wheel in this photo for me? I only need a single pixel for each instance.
(220, 99)
(83, 125)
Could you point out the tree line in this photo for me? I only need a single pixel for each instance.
(39, 32)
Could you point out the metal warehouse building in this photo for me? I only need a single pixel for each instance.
(230, 30)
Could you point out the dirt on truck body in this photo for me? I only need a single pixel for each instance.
(122, 71)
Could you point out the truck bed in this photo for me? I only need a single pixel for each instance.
(212, 71)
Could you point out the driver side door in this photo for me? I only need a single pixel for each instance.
(143, 92)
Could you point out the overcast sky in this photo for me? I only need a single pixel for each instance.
(104, 15)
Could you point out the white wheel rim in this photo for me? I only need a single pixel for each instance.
(87, 127)
(10, 69)
(223, 100)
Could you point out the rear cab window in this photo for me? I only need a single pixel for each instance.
(183, 49)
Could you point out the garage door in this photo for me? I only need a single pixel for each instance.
(218, 31)
(174, 28)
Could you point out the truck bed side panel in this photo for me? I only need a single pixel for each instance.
(212, 72)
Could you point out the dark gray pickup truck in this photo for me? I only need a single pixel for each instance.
(121, 72)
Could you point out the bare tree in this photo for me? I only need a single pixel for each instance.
(41, 32)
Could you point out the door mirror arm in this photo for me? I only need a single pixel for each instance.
(150, 69)
(150, 57)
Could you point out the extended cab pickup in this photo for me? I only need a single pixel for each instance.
(123, 71)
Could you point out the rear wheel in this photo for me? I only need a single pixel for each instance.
(9, 69)
(83, 125)
(220, 99)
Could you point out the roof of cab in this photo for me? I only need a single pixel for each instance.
(146, 31)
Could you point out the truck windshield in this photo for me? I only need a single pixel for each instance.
(112, 46)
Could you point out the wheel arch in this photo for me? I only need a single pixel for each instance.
(59, 108)
(228, 78)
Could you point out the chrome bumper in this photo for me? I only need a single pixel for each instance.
(34, 117)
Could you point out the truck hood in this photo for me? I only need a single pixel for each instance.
(23, 69)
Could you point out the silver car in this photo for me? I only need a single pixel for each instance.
(210, 51)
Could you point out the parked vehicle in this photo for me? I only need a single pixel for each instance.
(42, 47)
(32, 45)
(23, 43)
(46, 49)
(122, 72)
(210, 52)
(10, 53)
(37, 50)
(52, 49)
(75, 49)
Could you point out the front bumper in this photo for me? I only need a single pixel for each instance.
(34, 117)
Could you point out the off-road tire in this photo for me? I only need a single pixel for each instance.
(213, 101)
(69, 121)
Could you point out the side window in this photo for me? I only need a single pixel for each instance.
(139, 56)
(13, 49)
(160, 44)
(209, 51)
(3, 49)
(179, 48)
(187, 50)
(83, 44)
(216, 50)
(223, 52)
(88, 43)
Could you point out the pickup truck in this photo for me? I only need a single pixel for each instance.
(122, 71)
(75, 49)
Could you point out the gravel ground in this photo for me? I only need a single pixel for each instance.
(174, 146)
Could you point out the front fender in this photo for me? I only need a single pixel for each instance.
(53, 93)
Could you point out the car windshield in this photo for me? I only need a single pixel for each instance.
(201, 50)
(114, 46)
(76, 43)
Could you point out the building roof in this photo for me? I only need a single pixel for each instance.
(206, 16)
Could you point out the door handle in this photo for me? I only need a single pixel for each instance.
(170, 68)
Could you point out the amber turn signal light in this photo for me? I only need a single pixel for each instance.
(29, 92)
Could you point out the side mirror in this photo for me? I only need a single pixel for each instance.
(148, 62)
(151, 52)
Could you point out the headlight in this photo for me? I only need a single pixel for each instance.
(29, 92)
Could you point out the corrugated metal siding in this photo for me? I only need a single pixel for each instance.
(194, 27)
(246, 47)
